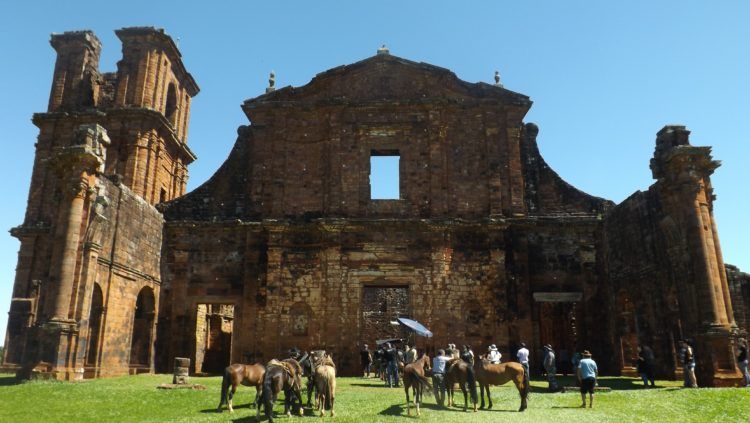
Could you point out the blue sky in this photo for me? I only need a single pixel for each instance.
(604, 78)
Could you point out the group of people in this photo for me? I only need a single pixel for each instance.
(385, 362)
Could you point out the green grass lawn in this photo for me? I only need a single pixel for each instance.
(135, 398)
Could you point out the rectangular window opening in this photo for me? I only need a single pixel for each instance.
(384, 175)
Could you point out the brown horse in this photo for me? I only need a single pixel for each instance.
(283, 375)
(325, 384)
(246, 374)
(462, 373)
(414, 378)
(499, 374)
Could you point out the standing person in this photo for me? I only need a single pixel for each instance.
(366, 359)
(550, 368)
(410, 356)
(523, 357)
(467, 355)
(688, 364)
(391, 357)
(380, 363)
(438, 375)
(493, 354)
(587, 372)
(742, 361)
(646, 364)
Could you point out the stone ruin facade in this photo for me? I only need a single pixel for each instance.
(120, 271)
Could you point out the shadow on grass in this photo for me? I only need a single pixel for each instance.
(225, 409)
(614, 383)
(9, 381)
(370, 385)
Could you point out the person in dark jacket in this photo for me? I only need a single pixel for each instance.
(646, 364)
(391, 358)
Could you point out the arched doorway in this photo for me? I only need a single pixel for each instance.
(95, 323)
(143, 323)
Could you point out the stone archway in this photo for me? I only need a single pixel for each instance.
(143, 324)
(95, 326)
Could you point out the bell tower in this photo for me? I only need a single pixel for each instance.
(106, 142)
(155, 91)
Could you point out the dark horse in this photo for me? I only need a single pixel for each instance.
(414, 378)
(246, 374)
(462, 373)
(283, 375)
(499, 374)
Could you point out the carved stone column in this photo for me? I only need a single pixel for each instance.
(78, 165)
(683, 183)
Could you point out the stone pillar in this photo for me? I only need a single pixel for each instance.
(78, 164)
(181, 371)
(71, 216)
(683, 183)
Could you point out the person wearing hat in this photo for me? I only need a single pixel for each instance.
(493, 354)
(550, 368)
(295, 353)
(587, 372)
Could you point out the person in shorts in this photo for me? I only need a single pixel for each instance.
(587, 372)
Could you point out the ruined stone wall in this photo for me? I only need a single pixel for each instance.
(129, 263)
(303, 284)
(642, 301)
(739, 286)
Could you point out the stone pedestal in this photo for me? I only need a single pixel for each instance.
(181, 371)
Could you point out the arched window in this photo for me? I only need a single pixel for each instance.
(95, 323)
(170, 110)
(143, 322)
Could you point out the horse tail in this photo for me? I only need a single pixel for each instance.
(267, 396)
(422, 380)
(526, 388)
(471, 380)
(327, 391)
(224, 388)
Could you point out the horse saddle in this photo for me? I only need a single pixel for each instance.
(283, 365)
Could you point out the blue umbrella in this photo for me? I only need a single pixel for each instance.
(417, 327)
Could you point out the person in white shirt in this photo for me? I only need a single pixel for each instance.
(438, 376)
(493, 354)
(523, 358)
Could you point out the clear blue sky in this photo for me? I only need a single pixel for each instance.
(604, 78)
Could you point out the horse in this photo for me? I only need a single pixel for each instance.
(462, 373)
(308, 368)
(246, 374)
(414, 378)
(283, 375)
(325, 384)
(499, 374)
